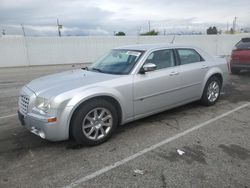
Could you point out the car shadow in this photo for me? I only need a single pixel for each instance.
(16, 145)
(159, 117)
(244, 74)
(238, 88)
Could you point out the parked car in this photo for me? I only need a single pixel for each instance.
(240, 57)
(128, 83)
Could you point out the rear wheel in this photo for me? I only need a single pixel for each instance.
(94, 122)
(211, 91)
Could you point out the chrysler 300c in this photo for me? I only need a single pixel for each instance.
(128, 83)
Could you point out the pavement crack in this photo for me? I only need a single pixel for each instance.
(163, 179)
(174, 124)
(235, 151)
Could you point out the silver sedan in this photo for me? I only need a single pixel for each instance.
(128, 83)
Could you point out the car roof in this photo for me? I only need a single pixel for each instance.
(146, 47)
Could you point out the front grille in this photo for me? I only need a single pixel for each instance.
(23, 104)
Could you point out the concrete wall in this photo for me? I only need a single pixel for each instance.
(26, 51)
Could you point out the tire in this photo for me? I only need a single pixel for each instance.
(210, 88)
(96, 117)
(235, 71)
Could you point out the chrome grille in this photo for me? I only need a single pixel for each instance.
(23, 104)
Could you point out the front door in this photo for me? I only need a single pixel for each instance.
(157, 89)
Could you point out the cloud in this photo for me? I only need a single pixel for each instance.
(103, 17)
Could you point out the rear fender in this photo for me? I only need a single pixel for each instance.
(209, 74)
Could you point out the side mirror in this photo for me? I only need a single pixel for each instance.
(148, 67)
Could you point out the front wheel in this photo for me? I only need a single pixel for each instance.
(94, 122)
(211, 91)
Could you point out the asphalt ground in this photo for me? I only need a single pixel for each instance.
(215, 141)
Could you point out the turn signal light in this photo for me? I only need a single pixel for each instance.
(50, 120)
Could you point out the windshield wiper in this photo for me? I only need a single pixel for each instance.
(96, 69)
(85, 68)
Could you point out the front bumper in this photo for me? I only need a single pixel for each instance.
(40, 126)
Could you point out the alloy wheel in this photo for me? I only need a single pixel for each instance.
(213, 91)
(97, 123)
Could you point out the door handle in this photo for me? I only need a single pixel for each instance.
(204, 67)
(174, 73)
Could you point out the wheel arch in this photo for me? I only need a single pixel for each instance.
(109, 98)
(219, 76)
(212, 72)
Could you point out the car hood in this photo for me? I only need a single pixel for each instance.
(54, 84)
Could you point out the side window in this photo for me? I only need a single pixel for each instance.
(161, 58)
(188, 56)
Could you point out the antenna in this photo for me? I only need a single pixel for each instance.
(172, 40)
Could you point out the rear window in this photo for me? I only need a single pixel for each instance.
(243, 44)
(245, 39)
(188, 56)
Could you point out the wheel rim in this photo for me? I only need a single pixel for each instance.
(213, 91)
(97, 123)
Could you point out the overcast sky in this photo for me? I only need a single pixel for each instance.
(103, 17)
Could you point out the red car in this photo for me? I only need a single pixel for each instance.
(240, 57)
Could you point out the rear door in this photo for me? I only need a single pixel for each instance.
(192, 69)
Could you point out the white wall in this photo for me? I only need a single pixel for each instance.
(25, 51)
(12, 52)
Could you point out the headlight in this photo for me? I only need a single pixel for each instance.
(42, 104)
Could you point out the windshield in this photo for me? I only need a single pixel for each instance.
(117, 62)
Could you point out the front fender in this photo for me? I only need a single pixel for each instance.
(87, 94)
(95, 92)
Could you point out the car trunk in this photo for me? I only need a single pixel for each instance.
(241, 56)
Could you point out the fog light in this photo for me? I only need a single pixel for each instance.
(37, 132)
(41, 134)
